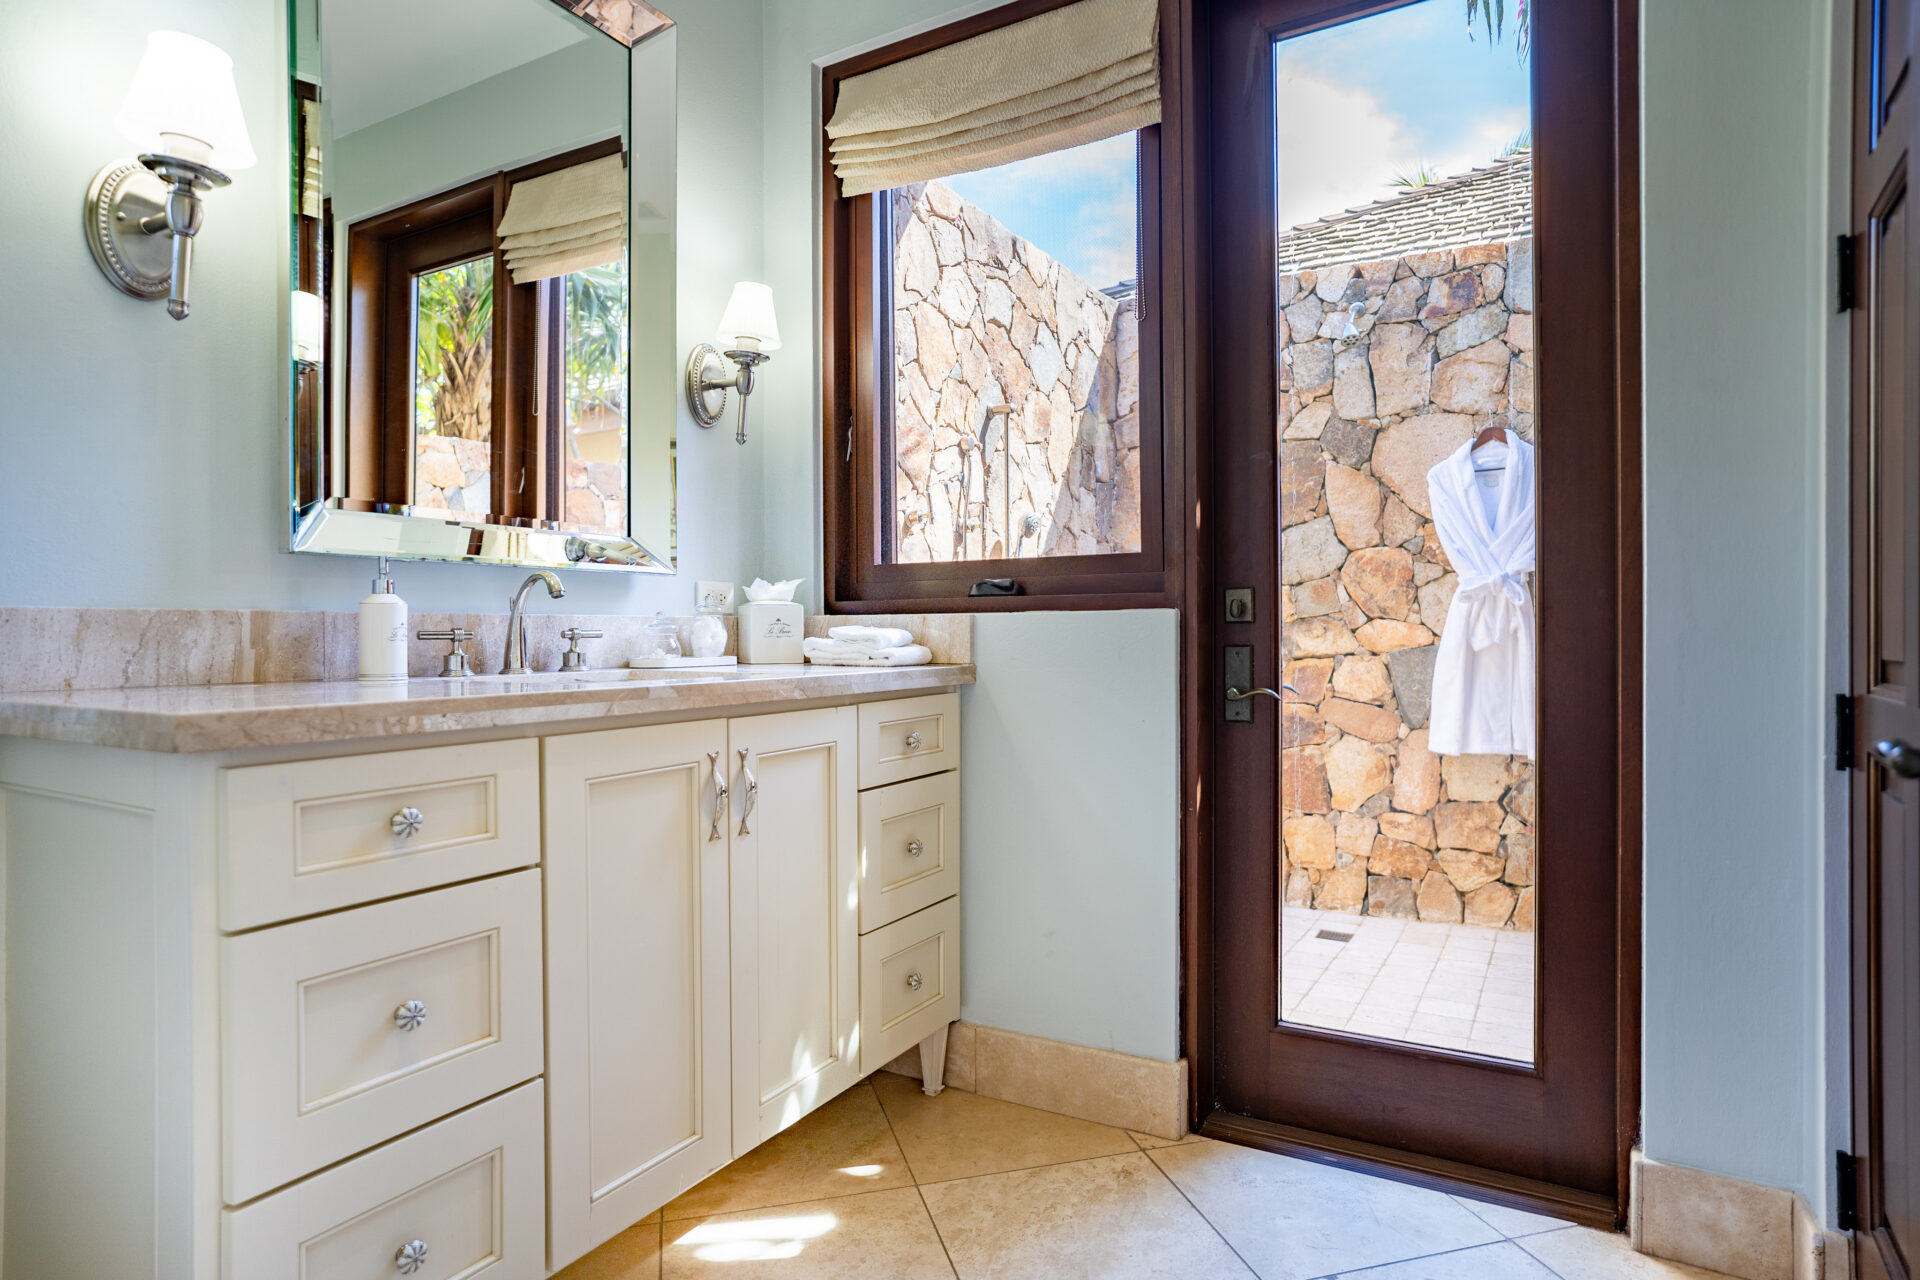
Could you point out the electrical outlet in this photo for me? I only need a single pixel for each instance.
(714, 595)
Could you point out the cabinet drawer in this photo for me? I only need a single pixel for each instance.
(469, 1189)
(315, 835)
(908, 738)
(322, 1052)
(909, 982)
(909, 847)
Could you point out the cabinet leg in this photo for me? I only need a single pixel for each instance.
(933, 1062)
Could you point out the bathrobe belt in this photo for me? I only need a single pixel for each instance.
(1495, 606)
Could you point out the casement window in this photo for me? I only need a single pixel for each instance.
(486, 349)
(994, 430)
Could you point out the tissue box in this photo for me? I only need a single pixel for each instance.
(771, 631)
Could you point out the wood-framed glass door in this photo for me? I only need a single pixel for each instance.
(1546, 1113)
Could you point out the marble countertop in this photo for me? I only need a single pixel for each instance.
(237, 716)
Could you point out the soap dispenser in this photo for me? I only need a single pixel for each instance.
(383, 631)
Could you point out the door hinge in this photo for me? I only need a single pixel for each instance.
(1848, 268)
(1846, 1205)
(1842, 733)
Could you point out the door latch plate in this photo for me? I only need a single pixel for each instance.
(1236, 671)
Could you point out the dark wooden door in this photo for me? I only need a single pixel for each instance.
(1886, 644)
(1557, 1130)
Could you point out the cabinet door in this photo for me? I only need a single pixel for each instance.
(796, 917)
(637, 1048)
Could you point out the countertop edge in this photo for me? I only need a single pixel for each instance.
(90, 718)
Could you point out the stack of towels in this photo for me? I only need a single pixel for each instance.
(866, 647)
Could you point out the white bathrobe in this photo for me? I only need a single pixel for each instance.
(1483, 676)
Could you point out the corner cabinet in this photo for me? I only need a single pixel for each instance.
(470, 1008)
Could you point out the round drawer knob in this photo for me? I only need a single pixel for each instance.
(914, 981)
(915, 848)
(407, 823)
(410, 1015)
(410, 1257)
(913, 741)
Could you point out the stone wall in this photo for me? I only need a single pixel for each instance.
(452, 474)
(1386, 368)
(984, 319)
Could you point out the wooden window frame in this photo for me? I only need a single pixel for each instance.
(856, 388)
(384, 254)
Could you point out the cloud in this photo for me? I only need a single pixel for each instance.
(1080, 205)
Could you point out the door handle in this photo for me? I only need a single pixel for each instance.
(753, 791)
(719, 794)
(1900, 757)
(1241, 695)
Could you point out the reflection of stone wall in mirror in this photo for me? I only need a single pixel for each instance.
(414, 105)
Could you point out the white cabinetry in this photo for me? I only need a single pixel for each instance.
(637, 968)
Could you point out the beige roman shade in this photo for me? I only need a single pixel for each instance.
(1070, 76)
(568, 220)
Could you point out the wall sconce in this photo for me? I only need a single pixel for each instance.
(184, 109)
(749, 335)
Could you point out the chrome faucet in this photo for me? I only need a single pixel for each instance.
(516, 664)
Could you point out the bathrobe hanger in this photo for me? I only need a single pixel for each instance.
(1488, 436)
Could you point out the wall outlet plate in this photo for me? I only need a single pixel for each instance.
(714, 595)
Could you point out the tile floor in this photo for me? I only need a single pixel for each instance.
(1452, 986)
(884, 1183)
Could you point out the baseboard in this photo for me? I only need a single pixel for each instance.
(1743, 1229)
(1128, 1092)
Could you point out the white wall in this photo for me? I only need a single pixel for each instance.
(1741, 904)
(143, 461)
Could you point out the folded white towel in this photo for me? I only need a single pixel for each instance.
(872, 637)
(834, 653)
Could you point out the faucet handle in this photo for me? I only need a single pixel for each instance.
(573, 659)
(455, 664)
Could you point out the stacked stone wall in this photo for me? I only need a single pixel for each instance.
(1386, 368)
(985, 319)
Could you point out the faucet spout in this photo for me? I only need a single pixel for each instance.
(516, 663)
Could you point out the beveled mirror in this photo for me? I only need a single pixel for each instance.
(482, 301)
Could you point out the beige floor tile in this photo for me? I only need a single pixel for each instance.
(1148, 1142)
(1486, 1262)
(1578, 1252)
(634, 1254)
(1511, 1223)
(963, 1135)
(882, 1235)
(1293, 1219)
(1108, 1219)
(844, 1148)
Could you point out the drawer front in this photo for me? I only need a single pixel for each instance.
(309, 836)
(340, 1032)
(909, 847)
(467, 1191)
(909, 982)
(908, 738)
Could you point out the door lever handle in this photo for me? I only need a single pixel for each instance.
(1241, 695)
(1900, 757)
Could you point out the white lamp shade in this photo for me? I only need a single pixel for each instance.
(749, 318)
(308, 339)
(184, 90)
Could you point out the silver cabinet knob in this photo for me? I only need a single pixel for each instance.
(915, 848)
(913, 741)
(914, 980)
(410, 1257)
(410, 1015)
(407, 823)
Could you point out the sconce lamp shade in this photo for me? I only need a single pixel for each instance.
(749, 318)
(308, 322)
(183, 102)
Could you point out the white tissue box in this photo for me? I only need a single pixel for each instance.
(771, 631)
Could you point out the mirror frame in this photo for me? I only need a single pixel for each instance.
(355, 527)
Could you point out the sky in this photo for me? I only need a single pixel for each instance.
(1356, 104)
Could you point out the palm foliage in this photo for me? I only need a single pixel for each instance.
(596, 341)
(1493, 15)
(453, 351)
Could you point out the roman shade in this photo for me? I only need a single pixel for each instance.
(1074, 75)
(565, 221)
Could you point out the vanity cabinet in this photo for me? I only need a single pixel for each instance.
(324, 1011)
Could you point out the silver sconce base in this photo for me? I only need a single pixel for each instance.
(707, 385)
(120, 198)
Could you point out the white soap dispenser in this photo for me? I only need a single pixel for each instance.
(383, 631)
